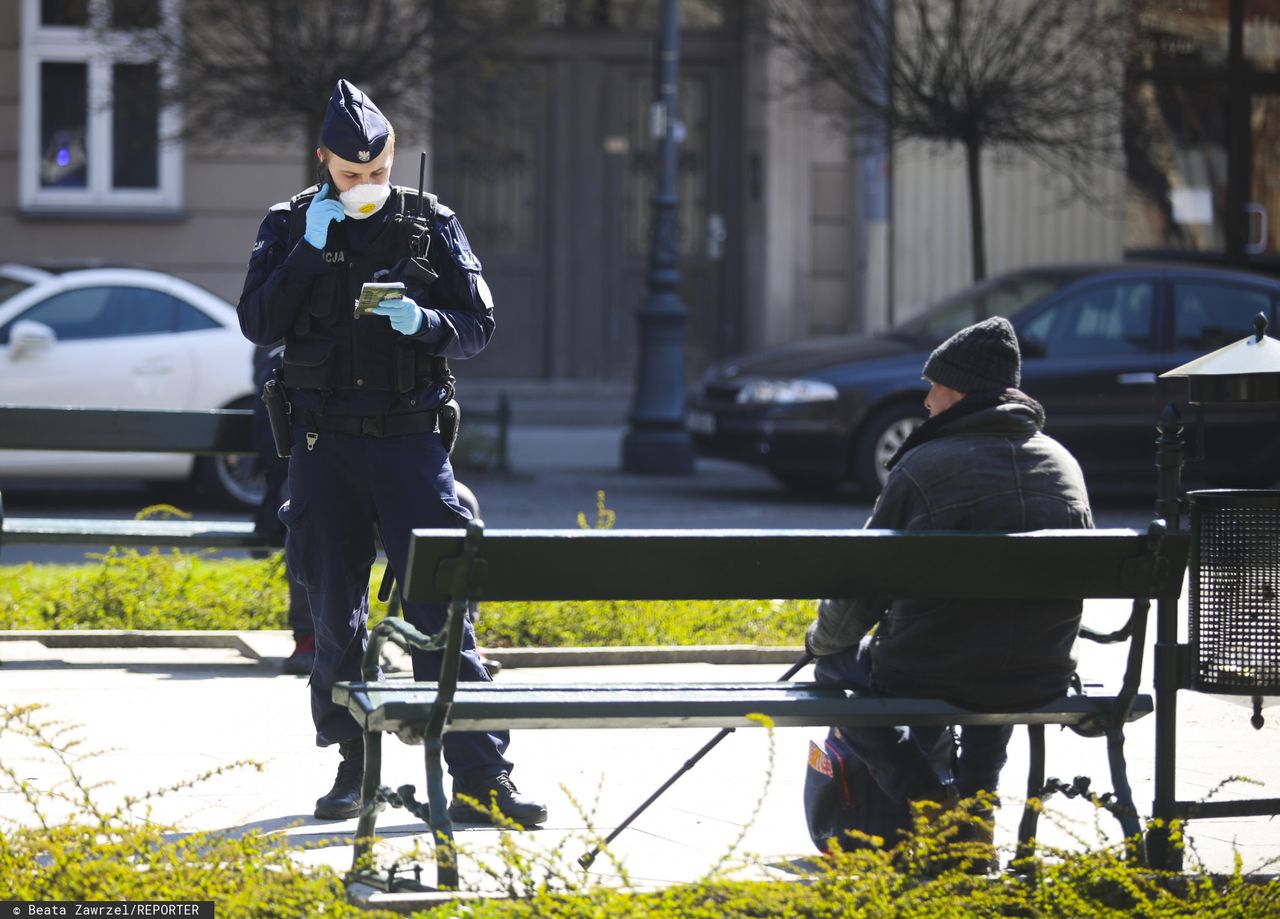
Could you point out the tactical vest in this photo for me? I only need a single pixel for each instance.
(328, 348)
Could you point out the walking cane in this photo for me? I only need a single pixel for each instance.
(587, 859)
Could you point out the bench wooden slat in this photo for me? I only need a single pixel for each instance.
(60, 531)
(116, 430)
(793, 564)
(404, 709)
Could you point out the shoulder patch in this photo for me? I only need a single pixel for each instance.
(455, 240)
(280, 206)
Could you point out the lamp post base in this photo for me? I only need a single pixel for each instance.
(657, 451)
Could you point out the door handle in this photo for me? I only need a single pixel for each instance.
(155, 368)
(717, 233)
(1256, 244)
(1129, 379)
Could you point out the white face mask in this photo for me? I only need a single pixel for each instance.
(364, 200)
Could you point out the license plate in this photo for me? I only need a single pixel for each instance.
(700, 422)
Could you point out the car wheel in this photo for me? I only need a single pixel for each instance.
(234, 481)
(806, 483)
(884, 432)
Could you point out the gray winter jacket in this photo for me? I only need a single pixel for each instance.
(981, 465)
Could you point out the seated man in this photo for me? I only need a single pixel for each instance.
(980, 462)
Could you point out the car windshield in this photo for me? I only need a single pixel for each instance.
(11, 286)
(1004, 296)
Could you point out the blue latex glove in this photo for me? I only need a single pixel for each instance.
(319, 215)
(405, 314)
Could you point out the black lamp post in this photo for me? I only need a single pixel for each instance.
(656, 441)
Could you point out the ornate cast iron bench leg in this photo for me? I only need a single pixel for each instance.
(463, 574)
(441, 823)
(1124, 810)
(370, 802)
(1035, 791)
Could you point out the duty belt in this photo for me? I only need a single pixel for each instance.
(372, 425)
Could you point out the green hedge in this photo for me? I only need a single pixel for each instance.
(126, 589)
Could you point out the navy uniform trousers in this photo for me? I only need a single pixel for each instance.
(339, 490)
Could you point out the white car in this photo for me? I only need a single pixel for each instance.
(123, 338)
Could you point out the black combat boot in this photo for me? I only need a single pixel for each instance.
(497, 791)
(343, 799)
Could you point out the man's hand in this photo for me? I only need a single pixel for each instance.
(405, 315)
(320, 214)
(841, 624)
(808, 640)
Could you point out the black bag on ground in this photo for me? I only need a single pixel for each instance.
(841, 795)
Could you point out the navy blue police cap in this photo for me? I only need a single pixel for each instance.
(353, 128)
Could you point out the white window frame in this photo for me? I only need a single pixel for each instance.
(73, 44)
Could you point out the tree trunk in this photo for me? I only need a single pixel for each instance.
(977, 231)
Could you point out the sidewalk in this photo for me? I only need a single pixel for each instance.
(166, 715)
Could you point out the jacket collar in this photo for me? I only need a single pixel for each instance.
(958, 416)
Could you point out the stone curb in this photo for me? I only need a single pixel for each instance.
(135, 638)
(257, 646)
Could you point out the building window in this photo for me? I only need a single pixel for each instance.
(95, 133)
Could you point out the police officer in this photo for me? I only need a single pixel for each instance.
(364, 393)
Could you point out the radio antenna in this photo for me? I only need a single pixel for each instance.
(422, 180)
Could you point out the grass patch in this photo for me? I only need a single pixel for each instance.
(128, 589)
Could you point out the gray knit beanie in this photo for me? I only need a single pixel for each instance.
(980, 358)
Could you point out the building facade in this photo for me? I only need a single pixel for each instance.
(785, 234)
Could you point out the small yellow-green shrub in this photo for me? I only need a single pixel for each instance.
(92, 852)
(128, 589)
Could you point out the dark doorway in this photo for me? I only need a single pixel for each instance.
(627, 199)
(553, 182)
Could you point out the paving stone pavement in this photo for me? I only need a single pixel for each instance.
(162, 716)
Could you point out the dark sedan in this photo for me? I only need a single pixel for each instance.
(1094, 340)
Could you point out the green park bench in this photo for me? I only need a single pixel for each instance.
(530, 565)
(203, 433)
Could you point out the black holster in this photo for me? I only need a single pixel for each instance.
(450, 420)
(273, 398)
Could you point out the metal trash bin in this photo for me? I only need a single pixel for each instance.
(1234, 630)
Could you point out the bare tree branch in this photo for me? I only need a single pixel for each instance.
(1043, 78)
(264, 68)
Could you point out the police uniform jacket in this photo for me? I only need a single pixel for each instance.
(337, 364)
